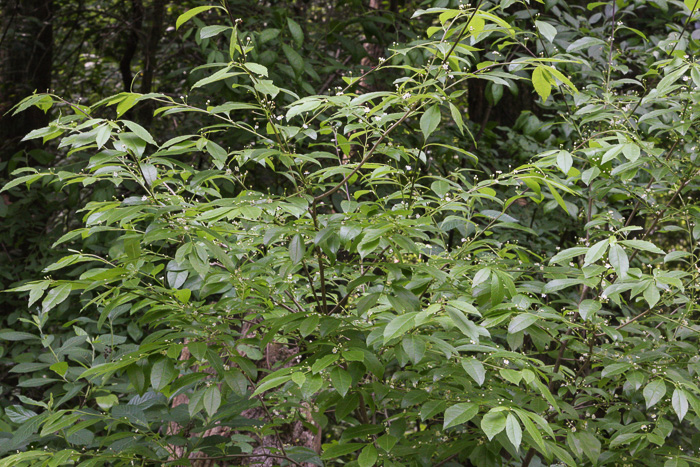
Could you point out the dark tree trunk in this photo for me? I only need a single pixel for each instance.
(150, 48)
(26, 53)
(132, 43)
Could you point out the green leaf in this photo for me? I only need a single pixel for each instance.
(140, 131)
(459, 413)
(564, 161)
(19, 414)
(531, 429)
(294, 58)
(299, 378)
(568, 254)
(619, 261)
(615, 369)
(368, 457)
(107, 402)
(386, 442)
(295, 30)
(541, 82)
(654, 391)
(625, 438)
(59, 421)
(103, 134)
(643, 245)
(9, 335)
(256, 68)
(651, 294)
(676, 461)
(475, 369)
(341, 380)
(546, 30)
(211, 31)
(464, 324)
(60, 368)
(55, 297)
(324, 362)
(267, 87)
(399, 326)
(588, 308)
(414, 346)
(338, 450)
(296, 249)
(513, 431)
(612, 153)
(596, 251)
(211, 400)
(354, 355)
(432, 408)
(522, 322)
(189, 14)
(679, 402)
(272, 381)
(430, 120)
(672, 77)
(162, 373)
(493, 423)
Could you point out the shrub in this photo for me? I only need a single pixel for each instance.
(346, 282)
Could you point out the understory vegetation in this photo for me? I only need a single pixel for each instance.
(410, 234)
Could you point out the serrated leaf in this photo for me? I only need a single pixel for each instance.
(653, 392)
(651, 294)
(341, 380)
(19, 414)
(459, 413)
(568, 254)
(139, 131)
(541, 83)
(398, 326)
(162, 372)
(431, 408)
(596, 251)
(272, 381)
(295, 30)
(211, 31)
(619, 260)
(513, 431)
(643, 245)
(588, 308)
(475, 369)
(414, 346)
(60, 368)
(522, 322)
(324, 362)
(55, 296)
(368, 457)
(211, 400)
(430, 120)
(493, 423)
(296, 249)
(189, 14)
(564, 161)
(333, 451)
(679, 402)
(546, 30)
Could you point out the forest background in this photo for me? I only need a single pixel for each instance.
(349, 233)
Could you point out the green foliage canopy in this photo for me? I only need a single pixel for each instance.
(360, 264)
